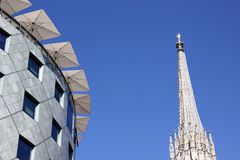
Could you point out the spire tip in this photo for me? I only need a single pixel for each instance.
(179, 37)
(179, 43)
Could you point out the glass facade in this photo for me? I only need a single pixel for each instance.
(3, 36)
(24, 149)
(56, 129)
(70, 116)
(58, 92)
(29, 104)
(34, 65)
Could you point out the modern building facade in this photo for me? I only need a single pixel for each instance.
(191, 142)
(40, 118)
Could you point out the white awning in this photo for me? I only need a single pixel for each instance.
(38, 24)
(81, 123)
(63, 54)
(76, 80)
(82, 103)
(13, 6)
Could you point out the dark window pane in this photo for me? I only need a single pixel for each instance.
(58, 92)
(29, 104)
(24, 149)
(34, 65)
(70, 152)
(70, 115)
(55, 130)
(3, 36)
(1, 75)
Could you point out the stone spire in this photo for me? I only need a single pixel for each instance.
(188, 118)
(191, 142)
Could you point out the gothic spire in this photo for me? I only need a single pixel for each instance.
(191, 142)
(188, 114)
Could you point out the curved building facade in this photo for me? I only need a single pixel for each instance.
(37, 113)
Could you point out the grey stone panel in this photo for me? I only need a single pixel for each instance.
(8, 129)
(12, 84)
(49, 88)
(3, 109)
(44, 119)
(66, 141)
(6, 66)
(33, 134)
(65, 103)
(37, 92)
(23, 121)
(17, 45)
(19, 62)
(12, 30)
(18, 52)
(48, 81)
(57, 112)
(14, 101)
(54, 150)
(12, 92)
(40, 152)
(4, 23)
(8, 148)
(48, 74)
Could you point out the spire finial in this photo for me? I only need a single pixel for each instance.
(179, 44)
(179, 37)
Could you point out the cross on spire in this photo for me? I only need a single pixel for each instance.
(179, 37)
(179, 44)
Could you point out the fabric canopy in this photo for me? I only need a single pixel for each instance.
(63, 54)
(13, 6)
(81, 123)
(38, 24)
(82, 103)
(76, 80)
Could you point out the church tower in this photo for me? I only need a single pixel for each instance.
(191, 142)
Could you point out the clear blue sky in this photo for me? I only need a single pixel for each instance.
(127, 48)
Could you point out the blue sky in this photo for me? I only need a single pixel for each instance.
(127, 48)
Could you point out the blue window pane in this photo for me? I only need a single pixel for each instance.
(3, 36)
(24, 149)
(56, 129)
(29, 104)
(34, 65)
(70, 115)
(58, 92)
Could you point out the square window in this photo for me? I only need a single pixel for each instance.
(70, 115)
(34, 65)
(24, 148)
(1, 75)
(3, 36)
(29, 104)
(58, 92)
(56, 129)
(70, 152)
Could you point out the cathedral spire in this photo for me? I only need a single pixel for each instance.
(191, 142)
(188, 118)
